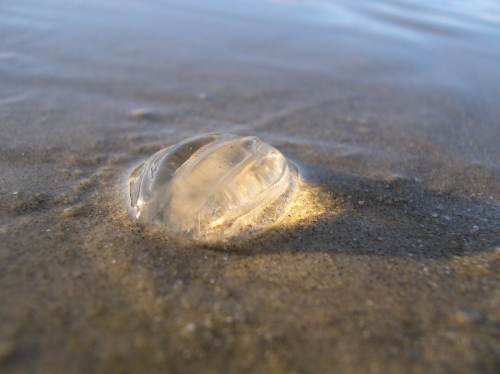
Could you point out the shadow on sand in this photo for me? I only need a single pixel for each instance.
(380, 218)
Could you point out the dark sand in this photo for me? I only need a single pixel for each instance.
(388, 261)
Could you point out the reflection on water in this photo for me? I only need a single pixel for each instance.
(464, 14)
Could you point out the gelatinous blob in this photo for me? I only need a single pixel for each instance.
(213, 187)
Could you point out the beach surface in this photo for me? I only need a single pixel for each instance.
(388, 260)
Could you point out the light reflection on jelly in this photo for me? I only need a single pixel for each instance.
(213, 187)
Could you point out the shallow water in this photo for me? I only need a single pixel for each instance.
(404, 85)
(389, 261)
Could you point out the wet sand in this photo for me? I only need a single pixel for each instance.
(389, 259)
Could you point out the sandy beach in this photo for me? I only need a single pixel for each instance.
(389, 259)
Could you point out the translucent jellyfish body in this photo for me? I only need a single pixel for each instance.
(213, 187)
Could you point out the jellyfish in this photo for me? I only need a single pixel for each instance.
(213, 187)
